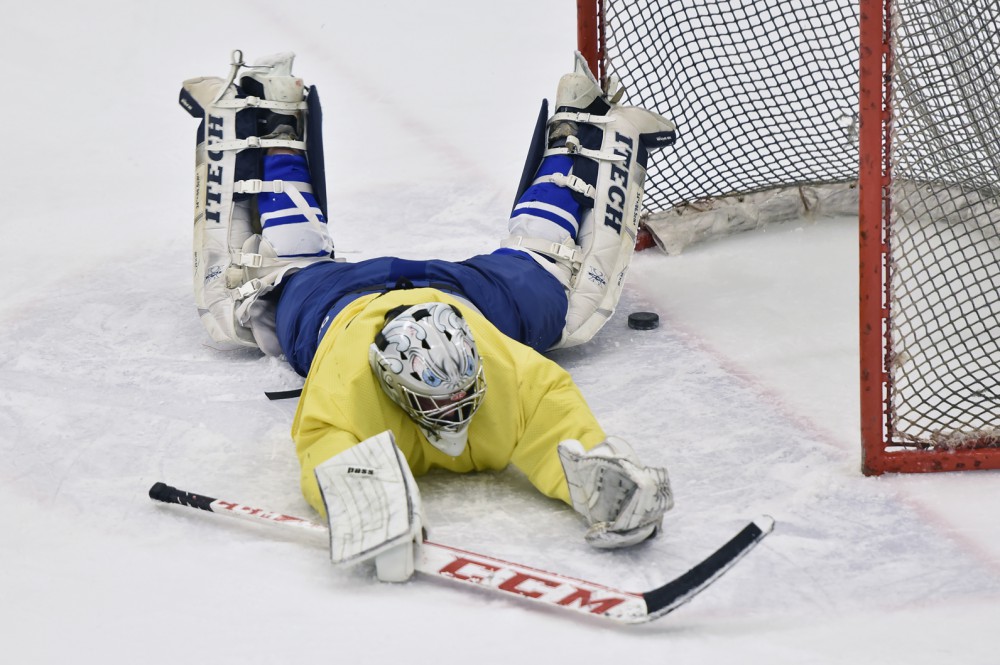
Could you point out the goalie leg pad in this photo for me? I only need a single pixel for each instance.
(602, 151)
(622, 501)
(233, 267)
(372, 506)
(608, 231)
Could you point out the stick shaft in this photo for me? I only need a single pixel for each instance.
(453, 564)
(167, 494)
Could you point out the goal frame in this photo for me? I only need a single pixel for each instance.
(880, 454)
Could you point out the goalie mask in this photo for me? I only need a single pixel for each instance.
(426, 361)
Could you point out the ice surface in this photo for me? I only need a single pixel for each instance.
(747, 390)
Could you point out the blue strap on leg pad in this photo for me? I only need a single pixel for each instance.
(241, 118)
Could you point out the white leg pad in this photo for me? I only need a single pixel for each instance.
(232, 266)
(608, 232)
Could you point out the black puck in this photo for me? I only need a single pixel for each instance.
(643, 320)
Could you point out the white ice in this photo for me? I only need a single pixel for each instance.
(747, 391)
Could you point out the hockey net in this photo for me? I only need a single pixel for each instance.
(771, 126)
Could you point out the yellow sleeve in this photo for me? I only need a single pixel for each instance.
(320, 432)
(554, 410)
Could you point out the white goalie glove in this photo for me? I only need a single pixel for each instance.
(373, 507)
(622, 500)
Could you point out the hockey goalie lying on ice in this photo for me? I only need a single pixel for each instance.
(412, 365)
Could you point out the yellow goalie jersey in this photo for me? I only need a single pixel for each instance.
(531, 404)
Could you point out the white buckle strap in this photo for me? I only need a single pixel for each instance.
(573, 147)
(567, 253)
(576, 183)
(248, 289)
(257, 102)
(249, 260)
(269, 186)
(579, 116)
(255, 142)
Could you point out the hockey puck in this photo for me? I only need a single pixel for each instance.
(643, 320)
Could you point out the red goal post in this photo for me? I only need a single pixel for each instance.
(883, 108)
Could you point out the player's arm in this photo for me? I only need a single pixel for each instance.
(320, 431)
(567, 455)
(552, 409)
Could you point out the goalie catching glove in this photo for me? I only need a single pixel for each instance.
(622, 500)
(373, 507)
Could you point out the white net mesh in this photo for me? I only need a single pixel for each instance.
(765, 95)
(944, 231)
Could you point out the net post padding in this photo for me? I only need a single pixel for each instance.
(681, 226)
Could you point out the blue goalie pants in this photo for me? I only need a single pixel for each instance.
(518, 296)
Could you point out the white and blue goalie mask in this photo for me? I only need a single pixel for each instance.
(426, 361)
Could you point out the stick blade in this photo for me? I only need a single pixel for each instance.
(675, 593)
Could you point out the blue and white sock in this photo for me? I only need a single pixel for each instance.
(547, 210)
(291, 220)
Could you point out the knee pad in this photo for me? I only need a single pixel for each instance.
(241, 118)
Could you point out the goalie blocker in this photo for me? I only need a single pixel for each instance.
(372, 507)
(237, 258)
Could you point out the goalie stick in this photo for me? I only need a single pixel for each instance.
(552, 589)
